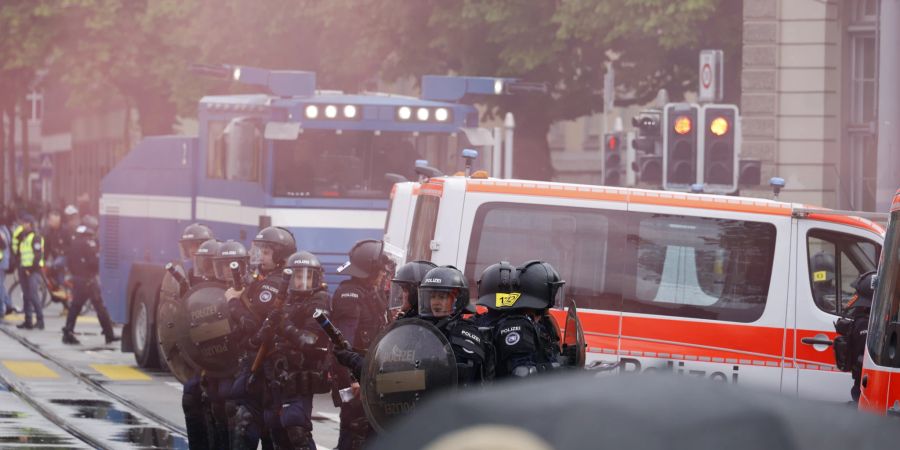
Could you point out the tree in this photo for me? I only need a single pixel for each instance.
(653, 44)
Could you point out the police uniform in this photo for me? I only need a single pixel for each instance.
(296, 370)
(522, 346)
(360, 313)
(248, 390)
(84, 265)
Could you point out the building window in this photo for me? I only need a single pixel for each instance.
(862, 94)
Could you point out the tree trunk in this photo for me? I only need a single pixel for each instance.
(25, 111)
(11, 139)
(532, 151)
(3, 156)
(156, 113)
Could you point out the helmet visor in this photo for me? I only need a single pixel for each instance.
(436, 302)
(305, 279)
(188, 248)
(399, 297)
(262, 255)
(559, 297)
(203, 266)
(222, 267)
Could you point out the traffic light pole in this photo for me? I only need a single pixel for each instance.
(888, 104)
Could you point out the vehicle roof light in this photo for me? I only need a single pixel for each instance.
(312, 111)
(498, 86)
(236, 74)
(683, 125)
(404, 112)
(331, 111)
(719, 126)
(350, 111)
(422, 114)
(441, 114)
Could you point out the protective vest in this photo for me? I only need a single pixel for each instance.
(27, 250)
(15, 238)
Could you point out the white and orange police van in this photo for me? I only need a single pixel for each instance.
(720, 287)
(880, 382)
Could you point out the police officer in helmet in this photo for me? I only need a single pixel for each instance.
(360, 311)
(249, 309)
(191, 238)
(405, 288)
(850, 344)
(203, 260)
(443, 298)
(517, 299)
(297, 367)
(83, 263)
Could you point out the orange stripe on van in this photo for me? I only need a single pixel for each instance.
(721, 203)
(432, 188)
(853, 221)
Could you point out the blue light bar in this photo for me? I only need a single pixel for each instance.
(452, 89)
(283, 83)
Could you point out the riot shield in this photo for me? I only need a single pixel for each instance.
(573, 343)
(172, 327)
(208, 341)
(170, 288)
(407, 363)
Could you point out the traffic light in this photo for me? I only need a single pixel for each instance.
(647, 124)
(680, 139)
(613, 154)
(721, 131)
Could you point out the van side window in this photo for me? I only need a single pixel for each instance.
(576, 241)
(699, 267)
(234, 149)
(835, 260)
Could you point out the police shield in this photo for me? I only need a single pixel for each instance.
(208, 341)
(170, 288)
(573, 345)
(172, 326)
(409, 362)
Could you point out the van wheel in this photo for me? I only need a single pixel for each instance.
(143, 333)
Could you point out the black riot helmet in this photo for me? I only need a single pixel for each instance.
(230, 251)
(498, 287)
(271, 247)
(203, 259)
(405, 284)
(191, 238)
(308, 274)
(540, 285)
(444, 292)
(865, 284)
(367, 258)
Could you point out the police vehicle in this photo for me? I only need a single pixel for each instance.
(732, 289)
(880, 382)
(314, 161)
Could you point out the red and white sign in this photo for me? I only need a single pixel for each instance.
(710, 76)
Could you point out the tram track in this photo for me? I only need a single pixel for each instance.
(106, 404)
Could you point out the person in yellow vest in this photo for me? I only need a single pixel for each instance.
(30, 246)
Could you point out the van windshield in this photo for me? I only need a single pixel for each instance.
(884, 322)
(423, 225)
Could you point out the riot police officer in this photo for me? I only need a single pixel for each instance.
(404, 296)
(850, 344)
(203, 269)
(249, 308)
(83, 264)
(360, 312)
(191, 238)
(176, 283)
(443, 298)
(297, 366)
(517, 300)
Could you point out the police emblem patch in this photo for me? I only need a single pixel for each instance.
(512, 338)
(265, 296)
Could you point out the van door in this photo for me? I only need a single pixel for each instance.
(830, 257)
(584, 244)
(701, 296)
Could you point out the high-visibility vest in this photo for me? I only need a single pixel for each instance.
(15, 238)
(26, 251)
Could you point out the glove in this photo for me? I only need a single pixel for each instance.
(347, 358)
